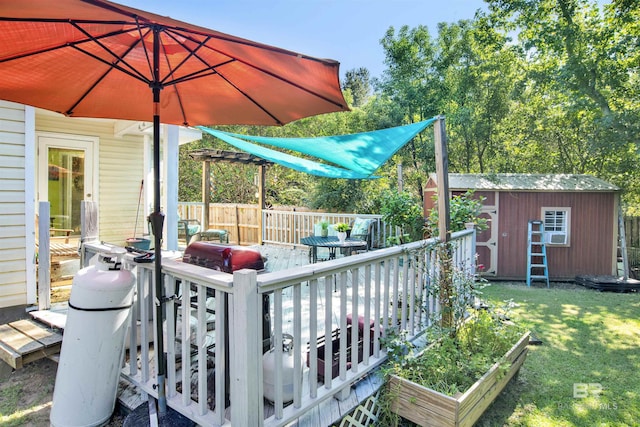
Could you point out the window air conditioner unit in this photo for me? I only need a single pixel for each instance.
(557, 238)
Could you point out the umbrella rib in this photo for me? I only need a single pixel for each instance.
(257, 104)
(66, 44)
(144, 46)
(120, 58)
(221, 36)
(130, 70)
(180, 30)
(188, 77)
(185, 32)
(192, 53)
(262, 70)
(111, 67)
(102, 77)
(289, 82)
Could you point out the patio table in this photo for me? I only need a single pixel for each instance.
(332, 243)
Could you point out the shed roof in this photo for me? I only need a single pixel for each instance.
(527, 182)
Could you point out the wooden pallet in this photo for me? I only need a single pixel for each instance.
(25, 341)
(609, 283)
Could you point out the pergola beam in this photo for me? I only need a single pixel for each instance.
(208, 155)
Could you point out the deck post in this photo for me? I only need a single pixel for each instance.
(470, 256)
(245, 341)
(206, 194)
(44, 256)
(262, 178)
(442, 173)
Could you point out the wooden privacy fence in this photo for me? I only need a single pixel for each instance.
(632, 235)
(632, 231)
(240, 220)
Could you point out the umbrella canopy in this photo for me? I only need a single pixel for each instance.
(94, 58)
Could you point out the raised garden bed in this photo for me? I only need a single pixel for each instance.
(428, 407)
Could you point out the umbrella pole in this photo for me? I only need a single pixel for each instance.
(158, 221)
(158, 225)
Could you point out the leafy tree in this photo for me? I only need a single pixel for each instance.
(582, 75)
(335, 195)
(357, 81)
(463, 209)
(401, 210)
(230, 182)
(411, 89)
(479, 71)
(189, 173)
(562, 98)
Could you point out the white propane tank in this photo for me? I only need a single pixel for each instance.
(93, 343)
(288, 368)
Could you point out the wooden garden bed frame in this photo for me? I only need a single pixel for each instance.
(428, 407)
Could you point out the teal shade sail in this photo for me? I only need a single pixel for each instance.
(284, 159)
(359, 155)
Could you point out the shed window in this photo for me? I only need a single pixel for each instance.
(557, 223)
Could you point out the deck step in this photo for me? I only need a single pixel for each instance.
(25, 341)
(55, 319)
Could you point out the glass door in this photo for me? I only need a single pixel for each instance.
(65, 167)
(66, 187)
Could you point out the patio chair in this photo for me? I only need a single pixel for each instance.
(60, 235)
(63, 253)
(362, 229)
(60, 247)
(187, 228)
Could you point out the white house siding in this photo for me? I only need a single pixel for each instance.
(121, 172)
(13, 227)
(121, 169)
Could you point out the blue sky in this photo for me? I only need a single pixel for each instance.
(348, 31)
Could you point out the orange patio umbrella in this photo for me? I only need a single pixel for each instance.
(94, 58)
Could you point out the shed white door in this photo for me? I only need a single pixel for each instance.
(66, 176)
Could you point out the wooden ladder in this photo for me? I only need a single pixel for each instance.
(536, 253)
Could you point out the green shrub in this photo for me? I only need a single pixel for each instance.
(463, 209)
(453, 363)
(402, 211)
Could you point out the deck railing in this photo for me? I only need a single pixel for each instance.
(288, 227)
(215, 370)
(279, 227)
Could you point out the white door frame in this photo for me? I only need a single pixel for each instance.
(89, 144)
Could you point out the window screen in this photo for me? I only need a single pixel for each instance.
(556, 226)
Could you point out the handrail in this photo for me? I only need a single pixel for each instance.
(288, 227)
(279, 227)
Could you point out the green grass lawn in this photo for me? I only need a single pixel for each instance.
(590, 342)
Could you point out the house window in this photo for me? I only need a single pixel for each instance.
(557, 226)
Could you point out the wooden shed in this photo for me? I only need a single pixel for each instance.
(579, 215)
